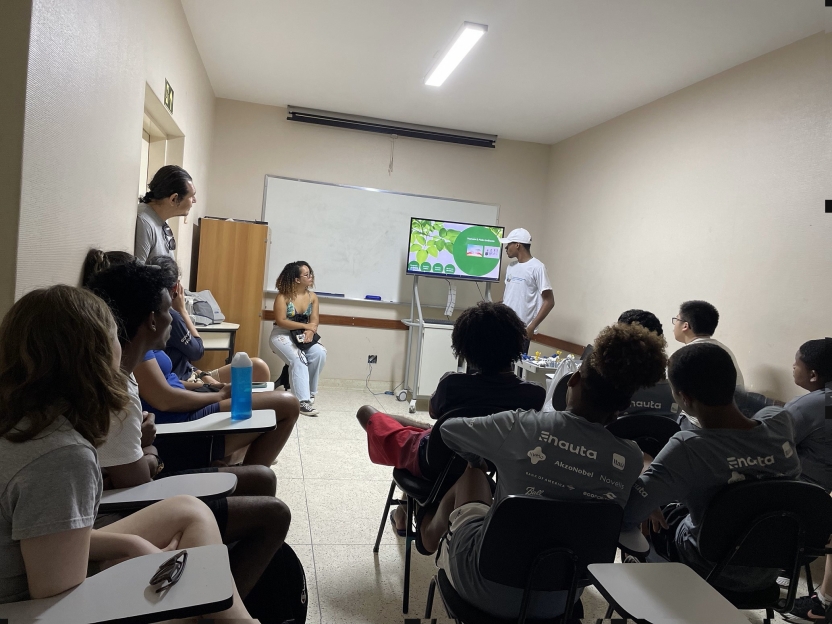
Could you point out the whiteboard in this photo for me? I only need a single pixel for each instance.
(356, 239)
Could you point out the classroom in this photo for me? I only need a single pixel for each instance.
(391, 168)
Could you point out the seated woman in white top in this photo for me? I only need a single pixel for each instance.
(59, 383)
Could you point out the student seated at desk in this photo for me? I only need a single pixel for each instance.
(252, 517)
(185, 344)
(490, 338)
(59, 383)
(567, 455)
(692, 467)
(158, 386)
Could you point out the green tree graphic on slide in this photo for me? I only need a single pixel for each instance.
(428, 238)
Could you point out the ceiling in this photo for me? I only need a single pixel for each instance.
(546, 69)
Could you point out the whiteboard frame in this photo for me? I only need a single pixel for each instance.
(374, 190)
(367, 188)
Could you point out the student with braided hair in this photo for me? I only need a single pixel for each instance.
(568, 455)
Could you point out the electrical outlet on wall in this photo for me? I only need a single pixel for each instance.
(372, 359)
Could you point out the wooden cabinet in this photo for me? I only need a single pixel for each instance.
(232, 265)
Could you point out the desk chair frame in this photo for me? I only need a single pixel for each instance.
(424, 492)
(558, 541)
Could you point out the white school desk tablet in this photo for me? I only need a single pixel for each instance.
(205, 486)
(663, 593)
(219, 337)
(221, 423)
(122, 592)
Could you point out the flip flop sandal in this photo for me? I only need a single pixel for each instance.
(399, 532)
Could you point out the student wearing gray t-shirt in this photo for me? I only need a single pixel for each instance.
(59, 383)
(566, 455)
(812, 370)
(696, 464)
(171, 194)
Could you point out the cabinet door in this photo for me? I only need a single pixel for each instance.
(232, 265)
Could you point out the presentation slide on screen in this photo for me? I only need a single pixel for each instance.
(460, 250)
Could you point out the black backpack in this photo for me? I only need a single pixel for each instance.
(280, 596)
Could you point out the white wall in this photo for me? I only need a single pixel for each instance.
(88, 65)
(714, 192)
(251, 140)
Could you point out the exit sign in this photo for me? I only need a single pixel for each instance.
(168, 97)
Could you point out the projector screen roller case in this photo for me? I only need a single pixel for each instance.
(454, 250)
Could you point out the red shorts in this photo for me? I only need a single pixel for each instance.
(391, 443)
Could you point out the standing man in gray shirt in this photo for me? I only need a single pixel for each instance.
(566, 455)
(694, 465)
(171, 194)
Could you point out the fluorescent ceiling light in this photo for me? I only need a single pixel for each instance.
(467, 37)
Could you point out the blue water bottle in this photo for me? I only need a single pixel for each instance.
(240, 386)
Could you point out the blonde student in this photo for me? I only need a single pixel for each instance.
(59, 382)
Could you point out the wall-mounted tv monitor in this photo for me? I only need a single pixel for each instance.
(454, 250)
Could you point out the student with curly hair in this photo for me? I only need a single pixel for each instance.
(653, 399)
(296, 311)
(59, 384)
(489, 337)
(161, 391)
(692, 467)
(539, 451)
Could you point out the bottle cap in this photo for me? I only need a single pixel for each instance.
(241, 360)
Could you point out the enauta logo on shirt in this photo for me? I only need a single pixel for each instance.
(545, 436)
(742, 462)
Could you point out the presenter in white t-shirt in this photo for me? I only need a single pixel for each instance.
(528, 291)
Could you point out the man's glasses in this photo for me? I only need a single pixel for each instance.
(170, 572)
(170, 241)
(676, 319)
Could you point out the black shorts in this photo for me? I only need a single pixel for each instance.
(189, 452)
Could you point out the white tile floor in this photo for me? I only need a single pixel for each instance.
(336, 496)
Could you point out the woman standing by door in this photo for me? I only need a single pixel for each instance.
(295, 326)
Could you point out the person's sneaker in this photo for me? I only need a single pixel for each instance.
(307, 410)
(783, 581)
(630, 559)
(312, 400)
(807, 609)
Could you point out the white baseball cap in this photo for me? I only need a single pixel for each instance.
(519, 235)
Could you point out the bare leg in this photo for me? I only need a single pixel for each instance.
(189, 516)
(363, 415)
(258, 525)
(259, 371)
(265, 447)
(366, 411)
(253, 480)
(471, 487)
(826, 585)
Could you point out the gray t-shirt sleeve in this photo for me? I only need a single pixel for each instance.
(145, 239)
(478, 437)
(806, 417)
(57, 492)
(663, 482)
